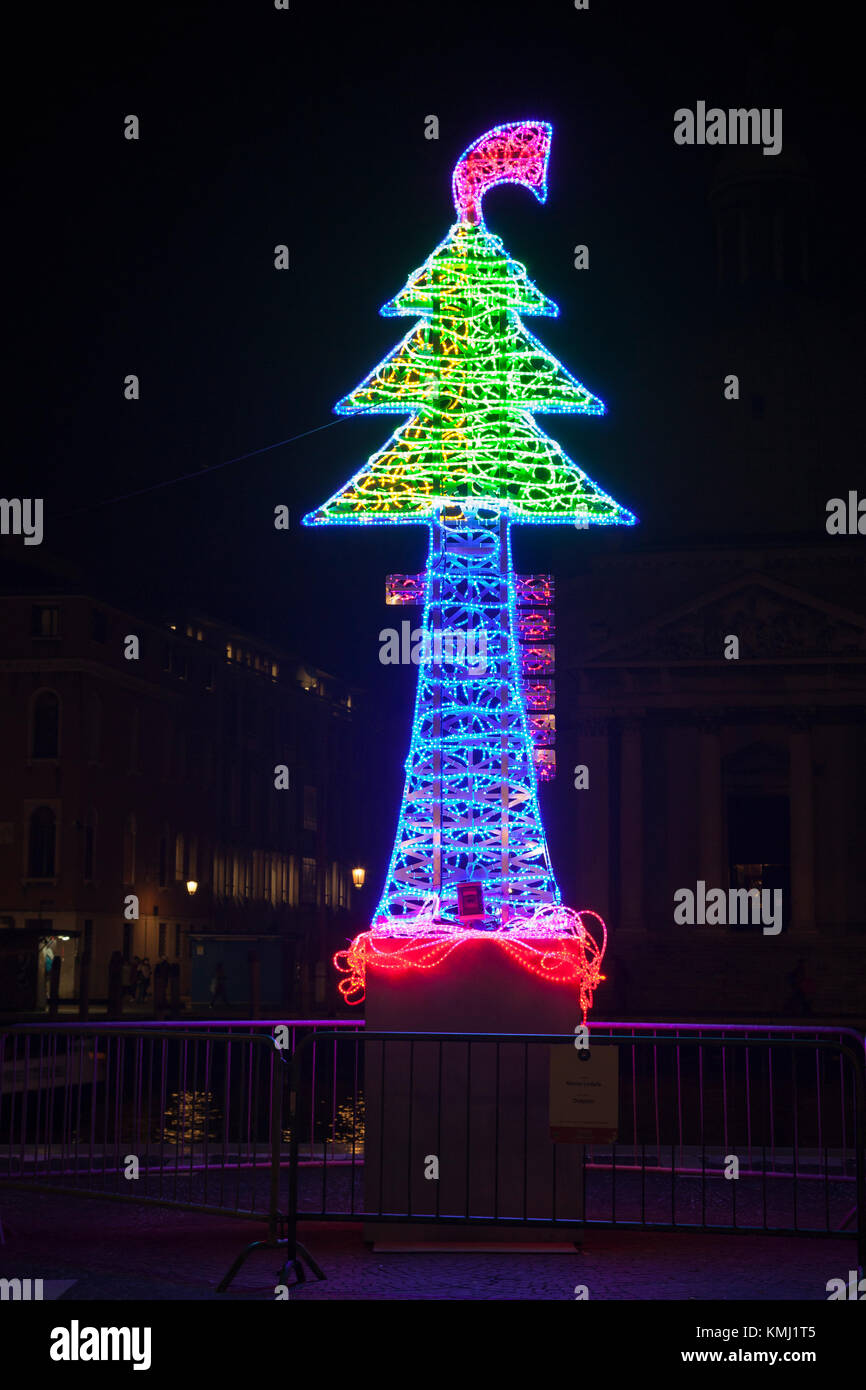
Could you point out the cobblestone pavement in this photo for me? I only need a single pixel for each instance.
(116, 1251)
(339, 1189)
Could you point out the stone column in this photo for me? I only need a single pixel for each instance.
(802, 917)
(631, 826)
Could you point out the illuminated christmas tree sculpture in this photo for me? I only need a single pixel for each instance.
(468, 462)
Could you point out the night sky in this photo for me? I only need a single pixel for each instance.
(306, 127)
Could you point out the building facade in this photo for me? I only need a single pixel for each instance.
(166, 780)
(739, 766)
(736, 765)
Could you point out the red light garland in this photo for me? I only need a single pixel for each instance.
(553, 943)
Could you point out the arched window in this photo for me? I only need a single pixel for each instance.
(45, 725)
(41, 843)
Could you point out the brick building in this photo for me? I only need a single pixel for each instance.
(144, 774)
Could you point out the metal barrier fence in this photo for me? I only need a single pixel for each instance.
(195, 1117)
(72, 1094)
(166, 1116)
(787, 1104)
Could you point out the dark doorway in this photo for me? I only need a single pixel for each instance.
(759, 846)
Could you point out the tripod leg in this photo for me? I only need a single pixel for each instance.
(305, 1255)
(236, 1264)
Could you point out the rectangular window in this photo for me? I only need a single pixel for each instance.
(220, 874)
(310, 808)
(308, 880)
(162, 931)
(177, 940)
(134, 732)
(41, 826)
(163, 860)
(44, 621)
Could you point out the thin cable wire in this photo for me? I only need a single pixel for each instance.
(199, 473)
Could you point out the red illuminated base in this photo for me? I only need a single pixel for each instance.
(555, 945)
(478, 988)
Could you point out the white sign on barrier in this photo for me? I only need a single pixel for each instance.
(584, 1094)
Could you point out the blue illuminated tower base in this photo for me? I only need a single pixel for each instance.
(470, 805)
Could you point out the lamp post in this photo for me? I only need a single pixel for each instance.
(174, 976)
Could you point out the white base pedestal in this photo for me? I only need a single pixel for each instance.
(485, 1122)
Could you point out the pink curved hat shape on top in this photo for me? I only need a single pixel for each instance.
(513, 153)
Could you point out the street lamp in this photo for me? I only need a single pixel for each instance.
(358, 876)
(191, 886)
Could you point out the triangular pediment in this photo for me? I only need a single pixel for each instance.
(773, 621)
(758, 764)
